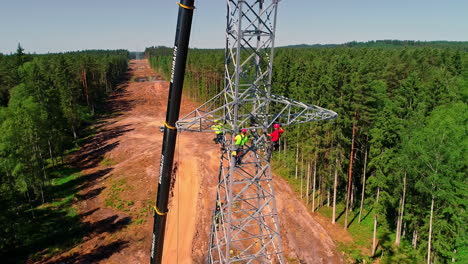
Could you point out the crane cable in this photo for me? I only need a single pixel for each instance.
(185, 6)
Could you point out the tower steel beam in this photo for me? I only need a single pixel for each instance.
(245, 227)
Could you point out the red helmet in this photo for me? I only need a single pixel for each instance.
(276, 125)
(244, 130)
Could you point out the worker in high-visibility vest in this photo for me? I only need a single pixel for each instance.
(240, 139)
(218, 129)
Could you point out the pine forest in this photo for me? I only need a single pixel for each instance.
(45, 102)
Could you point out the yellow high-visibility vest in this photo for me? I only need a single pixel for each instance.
(218, 128)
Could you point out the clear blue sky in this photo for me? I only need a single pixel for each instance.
(66, 25)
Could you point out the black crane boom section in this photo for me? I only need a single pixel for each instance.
(184, 24)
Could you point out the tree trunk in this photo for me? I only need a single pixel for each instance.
(85, 85)
(403, 230)
(297, 160)
(50, 153)
(313, 184)
(302, 169)
(415, 239)
(30, 203)
(328, 187)
(74, 133)
(42, 162)
(350, 172)
(351, 199)
(397, 233)
(363, 185)
(430, 233)
(308, 183)
(335, 185)
(320, 193)
(402, 211)
(42, 193)
(374, 237)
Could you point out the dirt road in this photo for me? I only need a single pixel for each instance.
(121, 163)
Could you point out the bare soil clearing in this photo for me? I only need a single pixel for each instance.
(121, 164)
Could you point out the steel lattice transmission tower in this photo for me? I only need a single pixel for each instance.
(245, 226)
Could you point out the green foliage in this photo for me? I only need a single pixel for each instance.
(403, 254)
(391, 44)
(114, 198)
(438, 148)
(139, 221)
(107, 162)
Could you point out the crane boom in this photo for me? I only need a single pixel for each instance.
(184, 24)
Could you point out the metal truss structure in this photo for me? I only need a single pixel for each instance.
(244, 226)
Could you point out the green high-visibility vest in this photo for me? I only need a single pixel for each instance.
(241, 140)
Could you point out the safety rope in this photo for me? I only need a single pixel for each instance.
(157, 211)
(186, 7)
(169, 126)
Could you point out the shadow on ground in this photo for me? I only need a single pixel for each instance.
(92, 153)
(96, 255)
(56, 225)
